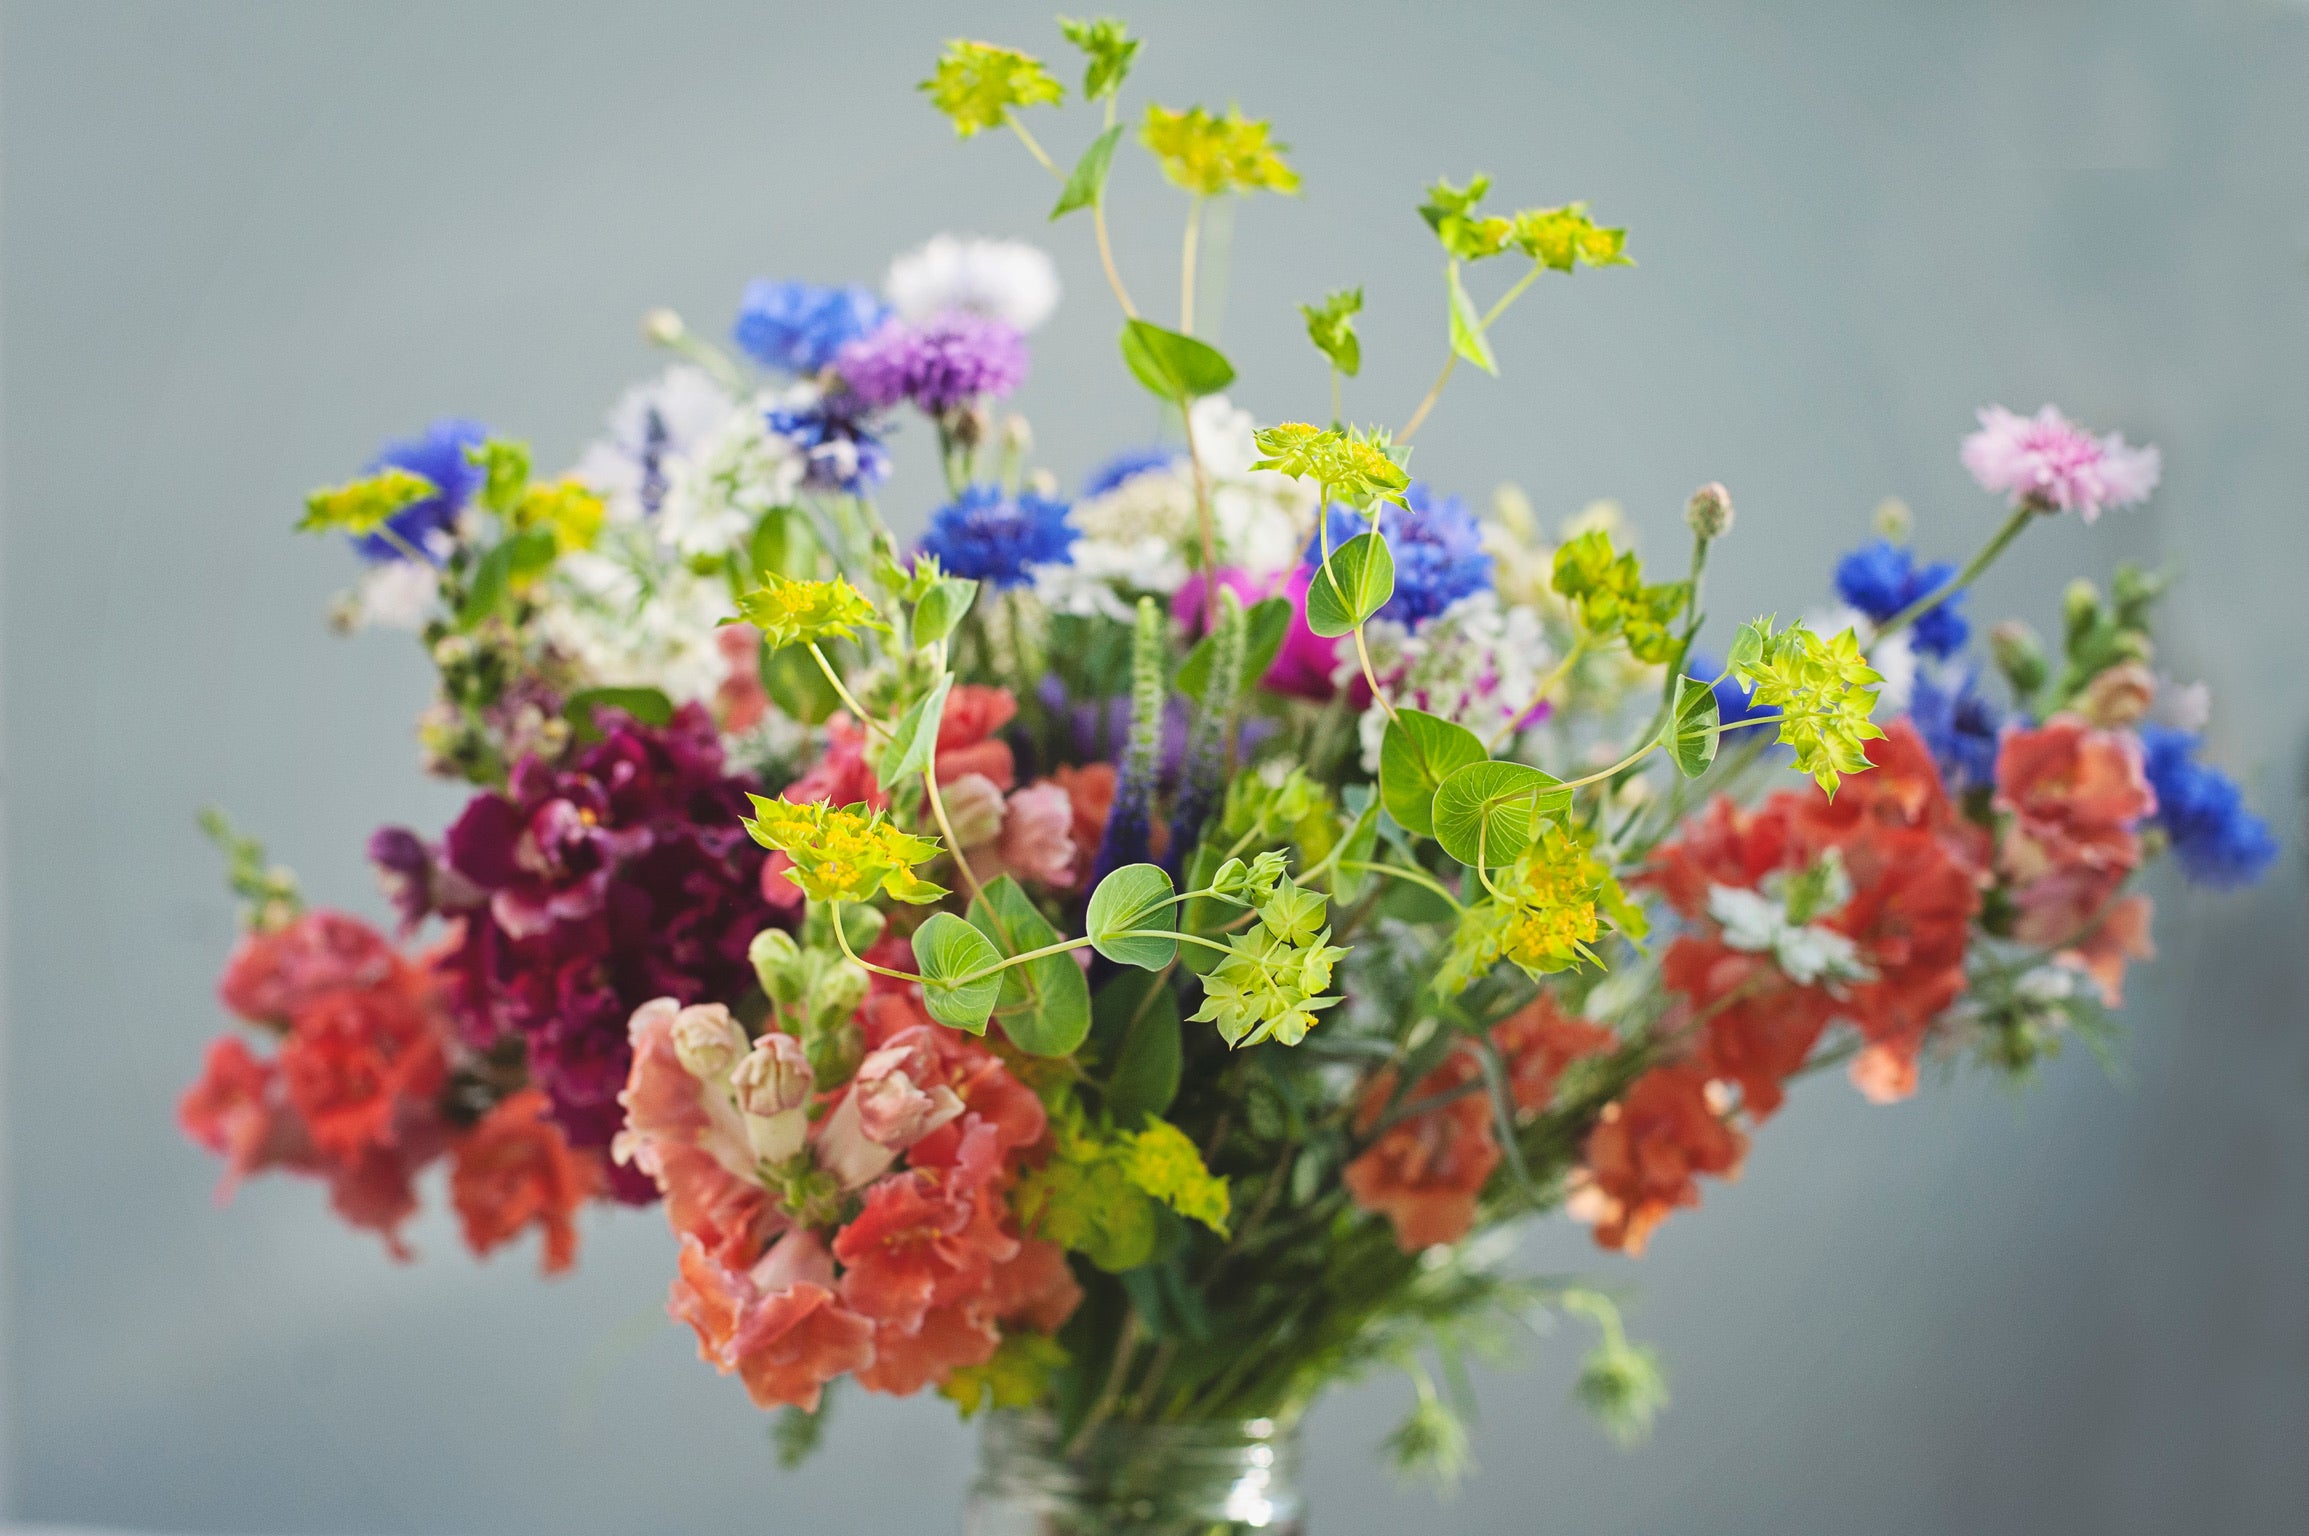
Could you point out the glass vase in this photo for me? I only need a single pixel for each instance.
(1213, 1479)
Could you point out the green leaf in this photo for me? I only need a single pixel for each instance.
(1137, 1013)
(915, 741)
(1331, 327)
(1134, 897)
(1360, 579)
(1087, 184)
(1173, 366)
(504, 466)
(792, 679)
(942, 607)
(1489, 811)
(784, 544)
(1690, 734)
(647, 705)
(1107, 51)
(1467, 338)
(1044, 1006)
(1748, 646)
(1361, 842)
(1265, 627)
(1416, 755)
(947, 948)
(521, 556)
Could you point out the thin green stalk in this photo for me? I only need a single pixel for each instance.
(945, 827)
(1547, 685)
(2021, 517)
(1418, 877)
(1032, 147)
(1187, 265)
(842, 691)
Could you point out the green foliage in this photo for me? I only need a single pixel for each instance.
(791, 611)
(268, 892)
(941, 607)
(1431, 1444)
(567, 509)
(1621, 1383)
(1082, 1198)
(648, 705)
(951, 954)
(1270, 983)
(1173, 366)
(1824, 689)
(1160, 1161)
(1608, 593)
(783, 544)
(1691, 732)
(798, 1432)
(1560, 238)
(1352, 585)
(504, 466)
(1044, 1006)
(1086, 183)
(1136, 1016)
(508, 566)
(1467, 338)
(2098, 633)
(1545, 916)
(1107, 51)
(908, 753)
(1417, 753)
(363, 506)
(1208, 155)
(1017, 1376)
(1487, 813)
(1452, 213)
(798, 685)
(1126, 913)
(1331, 327)
(1266, 624)
(1350, 465)
(978, 84)
(1360, 842)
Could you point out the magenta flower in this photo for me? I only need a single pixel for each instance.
(2049, 461)
(940, 364)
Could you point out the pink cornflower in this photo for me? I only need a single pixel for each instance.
(2048, 460)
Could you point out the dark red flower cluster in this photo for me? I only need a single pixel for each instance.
(354, 1094)
(620, 877)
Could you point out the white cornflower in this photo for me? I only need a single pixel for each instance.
(1006, 280)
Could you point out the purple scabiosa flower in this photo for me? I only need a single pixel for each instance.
(1437, 546)
(1882, 579)
(939, 364)
(1959, 724)
(799, 327)
(987, 536)
(836, 437)
(1127, 465)
(438, 453)
(620, 877)
(2217, 840)
(2049, 461)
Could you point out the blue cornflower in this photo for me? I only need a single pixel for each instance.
(1127, 465)
(990, 537)
(1882, 578)
(800, 326)
(836, 438)
(1437, 546)
(1959, 724)
(439, 455)
(2218, 841)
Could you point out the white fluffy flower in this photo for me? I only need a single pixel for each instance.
(653, 427)
(714, 498)
(1102, 569)
(393, 594)
(627, 620)
(1006, 280)
(1154, 504)
(1805, 952)
(1477, 663)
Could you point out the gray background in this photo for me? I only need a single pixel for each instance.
(244, 242)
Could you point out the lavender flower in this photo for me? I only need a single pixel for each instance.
(800, 327)
(987, 536)
(439, 455)
(940, 364)
(2048, 460)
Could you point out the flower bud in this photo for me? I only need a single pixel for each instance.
(1043, 483)
(774, 1077)
(2120, 695)
(974, 809)
(1709, 512)
(2080, 605)
(1017, 436)
(2019, 656)
(662, 327)
(1893, 520)
(777, 963)
(707, 1041)
(835, 993)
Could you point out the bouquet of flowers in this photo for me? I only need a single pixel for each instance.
(1119, 956)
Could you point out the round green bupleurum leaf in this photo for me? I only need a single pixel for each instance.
(1691, 732)
(1357, 585)
(1135, 897)
(947, 948)
(1416, 755)
(1487, 812)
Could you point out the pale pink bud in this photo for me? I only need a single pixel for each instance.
(1038, 835)
(973, 809)
(774, 1077)
(2122, 695)
(885, 1111)
(708, 1041)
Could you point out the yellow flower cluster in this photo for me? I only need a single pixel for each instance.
(1208, 155)
(976, 84)
(844, 854)
(1350, 465)
(362, 506)
(790, 612)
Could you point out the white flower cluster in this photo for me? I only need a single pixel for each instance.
(1476, 663)
(1005, 280)
(1144, 535)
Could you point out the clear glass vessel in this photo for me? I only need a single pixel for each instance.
(1136, 1480)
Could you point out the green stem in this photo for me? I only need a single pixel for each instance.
(1203, 521)
(1435, 390)
(945, 827)
(2021, 517)
(1547, 685)
(1187, 265)
(1032, 147)
(1362, 651)
(842, 691)
(843, 939)
(1419, 877)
